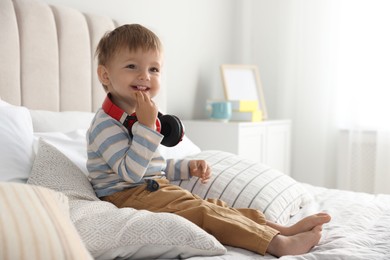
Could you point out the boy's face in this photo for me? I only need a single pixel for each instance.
(131, 71)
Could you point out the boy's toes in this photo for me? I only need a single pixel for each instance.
(325, 217)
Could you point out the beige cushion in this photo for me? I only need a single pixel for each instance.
(35, 224)
(109, 232)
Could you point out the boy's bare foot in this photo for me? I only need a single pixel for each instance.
(297, 244)
(305, 224)
(308, 223)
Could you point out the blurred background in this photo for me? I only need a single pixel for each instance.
(324, 64)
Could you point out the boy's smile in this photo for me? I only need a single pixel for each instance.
(141, 88)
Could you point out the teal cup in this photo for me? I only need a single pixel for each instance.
(219, 110)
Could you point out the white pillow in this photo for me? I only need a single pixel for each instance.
(109, 232)
(16, 143)
(245, 184)
(35, 224)
(49, 121)
(185, 148)
(3, 103)
(72, 144)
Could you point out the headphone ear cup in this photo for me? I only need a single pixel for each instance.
(172, 130)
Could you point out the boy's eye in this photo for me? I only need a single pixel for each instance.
(130, 66)
(154, 69)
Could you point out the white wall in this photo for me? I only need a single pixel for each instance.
(198, 36)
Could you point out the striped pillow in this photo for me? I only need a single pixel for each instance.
(245, 184)
(35, 224)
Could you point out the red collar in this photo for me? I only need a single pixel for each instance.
(113, 110)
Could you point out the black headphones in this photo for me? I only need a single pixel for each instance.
(169, 126)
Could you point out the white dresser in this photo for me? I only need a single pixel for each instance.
(267, 142)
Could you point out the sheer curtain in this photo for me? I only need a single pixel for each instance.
(363, 92)
(326, 66)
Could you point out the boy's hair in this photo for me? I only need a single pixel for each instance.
(130, 36)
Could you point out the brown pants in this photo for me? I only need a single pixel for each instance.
(244, 228)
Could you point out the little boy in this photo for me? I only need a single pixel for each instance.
(120, 161)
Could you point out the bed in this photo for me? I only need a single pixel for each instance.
(48, 209)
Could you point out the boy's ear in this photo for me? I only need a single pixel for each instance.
(103, 75)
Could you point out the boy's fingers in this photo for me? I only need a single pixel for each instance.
(198, 166)
(139, 94)
(203, 167)
(139, 98)
(207, 173)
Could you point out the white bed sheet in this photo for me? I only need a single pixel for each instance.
(359, 230)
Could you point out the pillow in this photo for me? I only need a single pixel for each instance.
(3, 103)
(35, 224)
(185, 148)
(16, 143)
(109, 232)
(72, 144)
(245, 184)
(49, 121)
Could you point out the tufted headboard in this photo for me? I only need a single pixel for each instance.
(46, 55)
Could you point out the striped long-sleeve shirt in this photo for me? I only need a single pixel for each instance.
(117, 162)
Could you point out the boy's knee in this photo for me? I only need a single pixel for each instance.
(218, 202)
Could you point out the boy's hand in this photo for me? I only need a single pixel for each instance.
(200, 169)
(146, 110)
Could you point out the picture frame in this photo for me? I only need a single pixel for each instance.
(242, 82)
